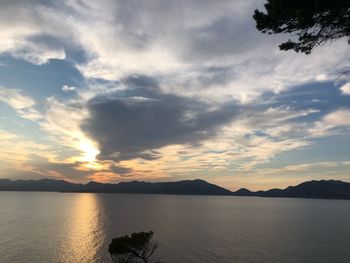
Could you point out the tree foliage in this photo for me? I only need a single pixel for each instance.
(133, 249)
(313, 22)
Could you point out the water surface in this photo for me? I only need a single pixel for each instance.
(71, 227)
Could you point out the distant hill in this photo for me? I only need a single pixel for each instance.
(330, 189)
(45, 185)
(186, 187)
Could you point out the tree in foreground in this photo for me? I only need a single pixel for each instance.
(314, 22)
(136, 248)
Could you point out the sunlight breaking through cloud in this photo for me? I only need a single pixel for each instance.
(107, 91)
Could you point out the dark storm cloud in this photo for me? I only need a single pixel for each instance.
(143, 118)
(123, 171)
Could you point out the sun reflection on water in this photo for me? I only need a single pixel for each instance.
(85, 228)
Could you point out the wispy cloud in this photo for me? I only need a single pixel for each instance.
(24, 105)
(162, 89)
(339, 119)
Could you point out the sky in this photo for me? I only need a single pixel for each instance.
(155, 90)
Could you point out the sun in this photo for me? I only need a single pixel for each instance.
(89, 150)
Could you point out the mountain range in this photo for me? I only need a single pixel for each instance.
(330, 189)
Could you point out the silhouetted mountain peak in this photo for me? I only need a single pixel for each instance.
(311, 189)
(243, 192)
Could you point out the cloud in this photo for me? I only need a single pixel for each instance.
(17, 150)
(169, 87)
(143, 130)
(340, 117)
(19, 22)
(62, 123)
(263, 129)
(74, 171)
(34, 53)
(21, 103)
(345, 89)
(309, 166)
(121, 170)
(176, 42)
(15, 99)
(145, 119)
(180, 53)
(67, 88)
(332, 123)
